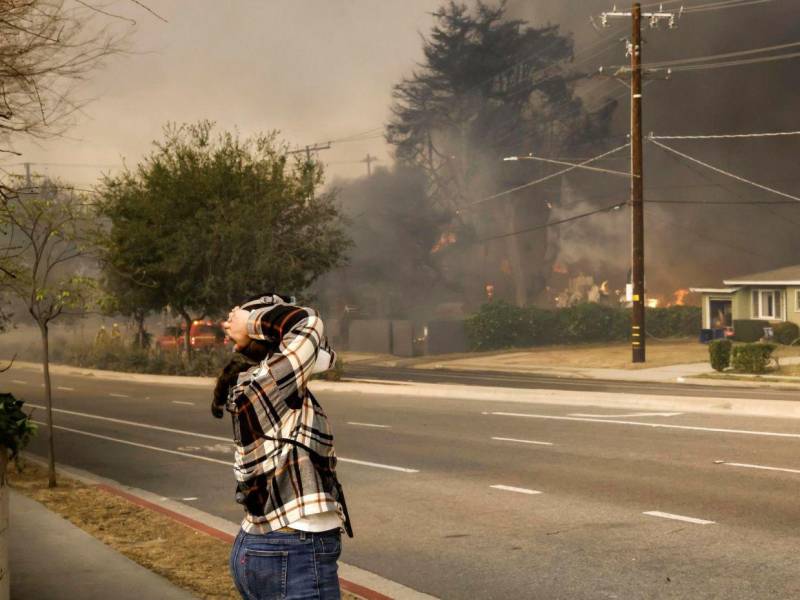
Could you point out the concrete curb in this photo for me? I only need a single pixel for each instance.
(360, 582)
(56, 369)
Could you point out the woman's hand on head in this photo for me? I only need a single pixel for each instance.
(236, 327)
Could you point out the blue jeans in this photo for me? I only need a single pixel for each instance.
(287, 566)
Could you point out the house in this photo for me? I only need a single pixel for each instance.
(771, 296)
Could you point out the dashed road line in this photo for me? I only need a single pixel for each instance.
(64, 388)
(367, 463)
(762, 467)
(653, 425)
(375, 425)
(637, 414)
(19, 381)
(664, 515)
(183, 402)
(119, 395)
(189, 499)
(518, 490)
(504, 439)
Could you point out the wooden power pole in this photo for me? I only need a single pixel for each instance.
(638, 337)
(369, 159)
(638, 329)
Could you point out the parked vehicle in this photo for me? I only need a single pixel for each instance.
(203, 335)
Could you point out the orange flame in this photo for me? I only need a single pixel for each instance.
(680, 296)
(446, 239)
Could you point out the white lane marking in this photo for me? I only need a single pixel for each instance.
(663, 515)
(65, 389)
(746, 466)
(654, 425)
(503, 439)
(202, 435)
(19, 381)
(119, 396)
(183, 402)
(189, 499)
(377, 465)
(369, 425)
(134, 423)
(508, 488)
(227, 463)
(638, 414)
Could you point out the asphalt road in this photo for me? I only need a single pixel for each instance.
(485, 499)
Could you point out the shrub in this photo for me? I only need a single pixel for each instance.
(591, 323)
(499, 325)
(674, 321)
(720, 354)
(748, 330)
(786, 333)
(752, 358)
(16, 427)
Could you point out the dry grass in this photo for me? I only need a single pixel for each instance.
(188, 558)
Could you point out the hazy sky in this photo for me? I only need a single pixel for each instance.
(314, 69)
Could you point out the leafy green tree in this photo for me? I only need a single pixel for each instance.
(490, 87)
(208, 219)
(49, 236)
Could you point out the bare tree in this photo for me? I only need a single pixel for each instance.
(48, 233)
(47, 49)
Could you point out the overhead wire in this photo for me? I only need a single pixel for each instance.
(616, 206)
(724, 172)
(542, 179)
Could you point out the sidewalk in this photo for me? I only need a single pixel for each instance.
(53, 559)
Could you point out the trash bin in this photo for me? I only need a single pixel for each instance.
(706, 335)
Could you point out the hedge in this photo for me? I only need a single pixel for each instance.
(786, 333)
(752, 358)
(501, 325)
(720, 354)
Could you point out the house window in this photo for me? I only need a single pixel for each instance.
(767, 304)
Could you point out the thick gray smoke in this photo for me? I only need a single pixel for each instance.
(689, 244)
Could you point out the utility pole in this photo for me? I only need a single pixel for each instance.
(638, 328)
(309, 149)
(28, 183)
(369, 160)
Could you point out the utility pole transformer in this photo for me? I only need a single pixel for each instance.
(638, 329)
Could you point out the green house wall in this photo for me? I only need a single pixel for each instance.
(741, 300)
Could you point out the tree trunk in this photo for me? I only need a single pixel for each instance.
(5, 588)
(140, 332)
(515, 257)
(48, 396)
(187, 335)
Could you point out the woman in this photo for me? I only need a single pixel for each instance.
(285, 464)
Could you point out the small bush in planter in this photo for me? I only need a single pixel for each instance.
(720, 353)
(752, 358)
(786, 333)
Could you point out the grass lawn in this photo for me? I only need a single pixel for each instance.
(604, 356)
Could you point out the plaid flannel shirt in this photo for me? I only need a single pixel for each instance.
(284, 460)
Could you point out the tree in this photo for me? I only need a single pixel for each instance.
(49, 233)
(207, 220)
(490, 87)
(47, 48)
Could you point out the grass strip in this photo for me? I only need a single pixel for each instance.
(192, 560)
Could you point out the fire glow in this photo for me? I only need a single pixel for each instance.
(448, 238)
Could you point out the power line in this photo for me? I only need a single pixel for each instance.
(723, 172)
(543, 179)
(728, 136)
(616, 206)
(713, 6)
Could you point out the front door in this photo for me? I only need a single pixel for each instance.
(720, 313)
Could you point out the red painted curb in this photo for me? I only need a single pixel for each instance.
(349, 586)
